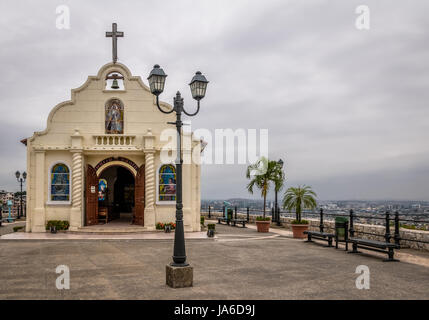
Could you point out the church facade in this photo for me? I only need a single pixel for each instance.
(99, 159)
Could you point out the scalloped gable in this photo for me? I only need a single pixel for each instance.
(97, 84)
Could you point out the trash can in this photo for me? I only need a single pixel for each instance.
(341, 232)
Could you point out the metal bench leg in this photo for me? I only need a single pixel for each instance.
(390, 253)
(330, 242)
(309, 238)
(355, 248)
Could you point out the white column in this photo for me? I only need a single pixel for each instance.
(76, 214)
(149, 151)
(38, 216)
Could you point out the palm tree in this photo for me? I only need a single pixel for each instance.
(299, 198)
(261, 174)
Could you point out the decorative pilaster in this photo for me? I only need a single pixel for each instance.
(149, 151)
(77, 180)
(76, 214)
(38, 216)
(150, 179)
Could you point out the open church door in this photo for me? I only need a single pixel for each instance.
(91, 196)
(139, 197)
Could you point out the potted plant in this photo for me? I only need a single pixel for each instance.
(261, 174)
(299, 198)
(211, 230)
(263, 224)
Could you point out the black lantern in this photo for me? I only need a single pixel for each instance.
(24, 175)
(17, 174)
(198, 86)
(157, 80)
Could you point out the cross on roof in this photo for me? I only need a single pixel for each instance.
(114, 34)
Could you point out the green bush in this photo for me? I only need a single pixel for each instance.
(58, 224)
(261, 218)
(300, 222)
(211, 226)
(15, 229)
(202, 220)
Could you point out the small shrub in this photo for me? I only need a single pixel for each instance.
(15, 229)
(202, 220)
(300, 222)
(211, 226)
(58, 224)
(161, 225)
(261, 218)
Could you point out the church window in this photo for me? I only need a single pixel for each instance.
(60, 183)
(114, 122)
(167, 183)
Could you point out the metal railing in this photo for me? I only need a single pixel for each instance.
(383, 219)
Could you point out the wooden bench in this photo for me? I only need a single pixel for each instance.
(223, 219)
(320, 235)
(239, 221)
(374, 245)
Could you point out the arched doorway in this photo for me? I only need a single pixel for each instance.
(115, 192)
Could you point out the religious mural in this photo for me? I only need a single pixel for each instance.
(167, 183)
(114, 117)
(102, 189)
(60, 183)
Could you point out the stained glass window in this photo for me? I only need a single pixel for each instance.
(60, 183)
(114, 117)
(167, 183)
(102, 188)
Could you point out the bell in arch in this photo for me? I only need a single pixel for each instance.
(115, 84)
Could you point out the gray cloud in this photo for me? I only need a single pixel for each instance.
(346, 109)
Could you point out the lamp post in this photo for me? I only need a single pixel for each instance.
(21, 181)
(280, 162)
(198, 86)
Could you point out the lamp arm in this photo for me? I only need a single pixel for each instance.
(193, 114)
(160, 109)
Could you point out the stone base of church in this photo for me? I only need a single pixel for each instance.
(38, 220)
(179, 277)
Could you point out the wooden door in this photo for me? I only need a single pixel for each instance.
(91, 196)
(139, 197)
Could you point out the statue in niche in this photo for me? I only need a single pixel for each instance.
(114, 117)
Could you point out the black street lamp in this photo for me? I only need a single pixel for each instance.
(198, 89)
(21, 181)
(277, 210)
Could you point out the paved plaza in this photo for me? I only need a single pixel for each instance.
(238, 264)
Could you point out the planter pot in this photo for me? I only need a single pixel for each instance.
(298, 230)
(263, 226)
(210, 233)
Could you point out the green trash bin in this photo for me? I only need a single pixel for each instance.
(341, 232)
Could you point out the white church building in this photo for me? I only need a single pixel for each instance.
(99, 159)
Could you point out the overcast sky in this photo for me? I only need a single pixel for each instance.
(347, 109)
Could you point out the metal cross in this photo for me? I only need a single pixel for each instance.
(114, 34)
